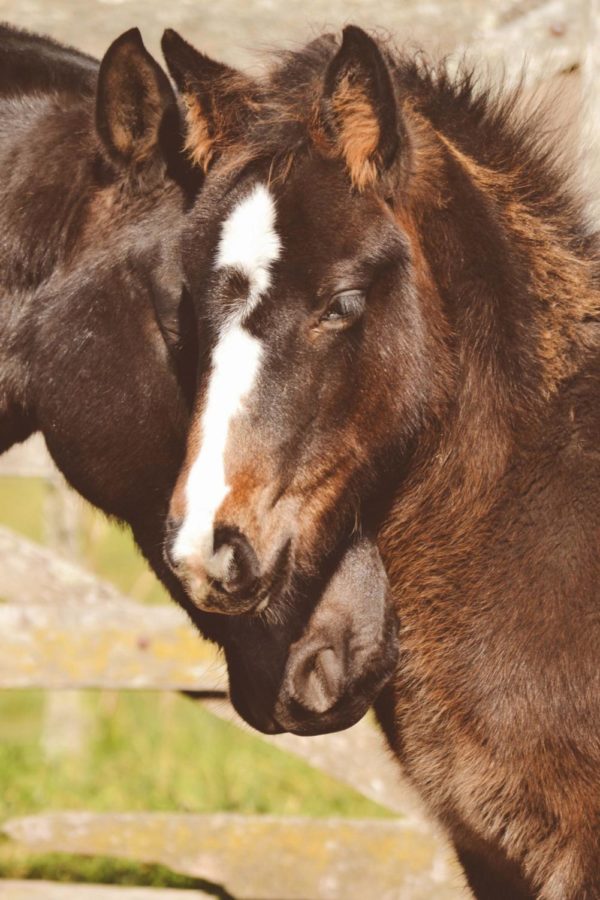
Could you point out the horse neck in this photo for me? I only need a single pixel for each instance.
(520, 286)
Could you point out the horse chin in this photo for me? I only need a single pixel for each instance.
(323, 675)
(292, 718)
(261, 719)
(289, 716)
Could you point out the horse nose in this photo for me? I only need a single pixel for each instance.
(242, 570)
(316, 679)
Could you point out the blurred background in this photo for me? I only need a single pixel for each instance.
(115, 751)
(548, 32)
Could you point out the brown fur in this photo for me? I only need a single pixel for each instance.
(491, 535)
(457, 417)
(560, 278)
(216, 120)
(512, 794)
(358, 132)
(200, 143)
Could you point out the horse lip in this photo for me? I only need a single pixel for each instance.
(219, 602)
(266, 723)
(245, 595)
(251, 600)
(295, 720)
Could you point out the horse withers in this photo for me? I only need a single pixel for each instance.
(404, 308)
(98, 342)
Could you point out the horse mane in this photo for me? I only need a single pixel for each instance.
(490, 123)
(459, 120)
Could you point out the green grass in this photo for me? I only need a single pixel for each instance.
(22, 506)
(145, 751)
(150, 751)
(14, 863)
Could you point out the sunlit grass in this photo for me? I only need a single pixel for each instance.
(16, 863)
(22, 506)
(152, 751)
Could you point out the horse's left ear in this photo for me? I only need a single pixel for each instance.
(217, 98)
(359, 108)
(135, 103)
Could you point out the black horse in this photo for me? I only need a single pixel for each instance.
(99, 348)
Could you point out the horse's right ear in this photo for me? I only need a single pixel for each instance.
(217, 98)
(135, 102)
(358, 117)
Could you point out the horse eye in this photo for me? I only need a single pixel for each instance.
(344, 307)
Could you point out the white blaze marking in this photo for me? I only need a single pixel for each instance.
(235, 365)
(248, 242)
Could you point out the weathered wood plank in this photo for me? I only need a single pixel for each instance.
(262, 857)
(63, 627)
(31, 574)
(50, 890)
(100, 646)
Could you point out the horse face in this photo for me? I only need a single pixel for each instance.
(315, 369)
(321, 356)
(317, 658)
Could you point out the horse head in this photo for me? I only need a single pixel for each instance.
(300, 399)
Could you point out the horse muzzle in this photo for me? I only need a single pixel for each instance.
(329, 674)
(222, 574)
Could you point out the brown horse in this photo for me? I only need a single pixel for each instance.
(404, 309)
(98, 349)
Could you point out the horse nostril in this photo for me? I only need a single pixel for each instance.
(318, 680)
(171, 529)
(242, 569)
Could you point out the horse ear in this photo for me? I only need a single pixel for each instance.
(359, 109)
(217, 98)
(134, 101)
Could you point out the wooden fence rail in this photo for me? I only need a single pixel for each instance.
(260, 856)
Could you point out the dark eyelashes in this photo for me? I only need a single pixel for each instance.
(366, 277)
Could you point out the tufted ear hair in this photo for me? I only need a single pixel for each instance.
(217, 98)
(359, 113)
(135, 103)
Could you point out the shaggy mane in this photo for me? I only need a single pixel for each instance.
(495, 126)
